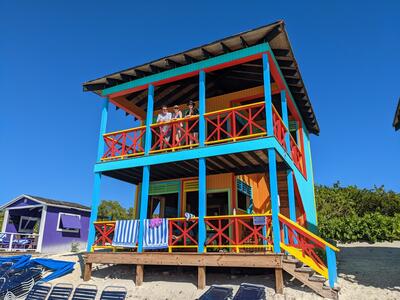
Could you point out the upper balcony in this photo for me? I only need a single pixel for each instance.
(230, 125)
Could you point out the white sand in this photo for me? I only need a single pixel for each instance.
(366, 271)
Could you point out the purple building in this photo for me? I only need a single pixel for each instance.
(44, 225)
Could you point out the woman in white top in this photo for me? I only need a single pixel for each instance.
(177, 114)
(165, 116)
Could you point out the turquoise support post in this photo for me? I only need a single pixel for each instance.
(143, 205)
(289, 176)
(273, 176)
(103, 128)
(94, 210)
(149, 119)
(273, 187)
(331, 260)
(97, 176)
(144, 192)
(202, 163)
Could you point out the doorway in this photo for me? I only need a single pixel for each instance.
(163, 206)
(217, 203)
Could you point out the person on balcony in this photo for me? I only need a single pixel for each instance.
(193, 132)
(177, 114)
(165, 130)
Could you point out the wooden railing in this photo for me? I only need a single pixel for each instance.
(296, 154)
(308, 248)
(240, 232)
(280, 130)
(104, 233)
(175, 134)
(236, 123)
(18, 241)
(124, 144)
(182, 233)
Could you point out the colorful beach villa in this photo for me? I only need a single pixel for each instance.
(221, 158)
(37, 224)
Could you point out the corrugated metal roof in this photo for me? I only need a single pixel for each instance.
(275, 34)
(52, 202)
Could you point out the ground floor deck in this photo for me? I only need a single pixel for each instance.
(199, 260)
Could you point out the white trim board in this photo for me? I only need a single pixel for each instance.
(59, 221)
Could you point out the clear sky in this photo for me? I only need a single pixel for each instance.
(348, 53)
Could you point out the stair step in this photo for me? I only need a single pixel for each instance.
(290, 260)
(304, 269)
(317, 278)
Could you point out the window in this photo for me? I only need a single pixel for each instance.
(68, 222)
(244, 196)
(27, 224)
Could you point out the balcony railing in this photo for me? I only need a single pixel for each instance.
(236, 123)
(18, 241)
(222, 126)
(124, 143)
(176, 134)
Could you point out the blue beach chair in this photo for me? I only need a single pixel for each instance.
(216, 292)
(61, 291)
(40, 291)
(85, 292)
(249, 291)
(113, 293)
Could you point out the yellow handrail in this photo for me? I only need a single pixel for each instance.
(280, 118)
(124, 130)
(233, 108)
(308, 233)
(104, 222)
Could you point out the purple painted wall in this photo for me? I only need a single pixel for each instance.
(58, 241)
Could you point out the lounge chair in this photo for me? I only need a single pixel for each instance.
(61, 291)
(39, 291)
(85, 292)
(113, 293)
(216, 292)
(249, 291)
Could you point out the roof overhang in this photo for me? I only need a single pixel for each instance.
(274, 34)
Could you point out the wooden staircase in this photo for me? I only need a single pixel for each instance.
(308, 277)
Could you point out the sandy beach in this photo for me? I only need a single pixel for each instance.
(366, 271)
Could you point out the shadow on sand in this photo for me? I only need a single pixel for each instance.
(370, 266)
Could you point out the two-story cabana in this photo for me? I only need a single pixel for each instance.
(232, 178)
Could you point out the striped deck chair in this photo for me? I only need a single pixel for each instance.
(126, 233)
(155, 237)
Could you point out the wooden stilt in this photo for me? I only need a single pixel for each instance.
(87, 273)
(279, 280)
(201, 277)
(139, 275)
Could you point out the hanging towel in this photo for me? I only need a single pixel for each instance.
(155, 237)
(126, 233)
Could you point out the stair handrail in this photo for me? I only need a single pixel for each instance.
(309, 233)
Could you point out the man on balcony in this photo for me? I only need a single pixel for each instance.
(165, 130)
(194, 132)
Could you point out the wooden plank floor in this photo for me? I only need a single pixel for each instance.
(200, 260)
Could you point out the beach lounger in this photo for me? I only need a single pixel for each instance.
(249, 291)
(155, 237)
(85, 292)
(216, 292)
(113, 293)
(126, 233)
(61, 291)
(40, 291)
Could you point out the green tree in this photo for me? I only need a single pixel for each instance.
(111, 210)
(131, 213)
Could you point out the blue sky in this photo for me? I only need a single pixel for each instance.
(347, 52)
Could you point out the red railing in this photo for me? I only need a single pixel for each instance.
(304, 245)
(104, 233)
(175, 134)
(182, 233)
(238, 231)
(296, 154)
(124, 143)
(232, 124)
(280, 129)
